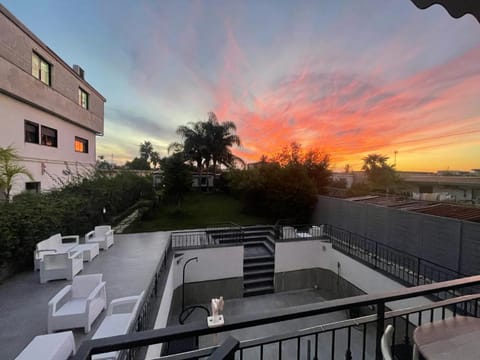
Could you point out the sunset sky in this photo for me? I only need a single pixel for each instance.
(345, 77)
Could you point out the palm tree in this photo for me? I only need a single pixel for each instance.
(194, 146)
(10, 169)
(374, 161)
(146, 150)
(220, 138)
(380, 174)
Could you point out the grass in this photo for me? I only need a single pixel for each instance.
(197, 211)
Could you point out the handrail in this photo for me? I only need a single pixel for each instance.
(394, 249)
(196, 329)
(325, 328)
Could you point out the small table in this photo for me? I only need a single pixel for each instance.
(454, 338)
(89, 251)
(58, 346)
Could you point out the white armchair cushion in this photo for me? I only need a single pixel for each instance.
(83, 286)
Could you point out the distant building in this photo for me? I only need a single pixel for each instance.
(49, 113)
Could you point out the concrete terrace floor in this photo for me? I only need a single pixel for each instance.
(127, 269)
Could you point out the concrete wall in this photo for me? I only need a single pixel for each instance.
(163, 314)
(319, 254)
(61, 98)
(55, 159)
(219, 266)
(449, 242)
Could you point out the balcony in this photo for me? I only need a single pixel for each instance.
(302, 324)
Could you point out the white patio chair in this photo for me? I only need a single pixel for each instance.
(77, 305)
(60, 266)
(103, 235)
(120, 320)
(386, 343)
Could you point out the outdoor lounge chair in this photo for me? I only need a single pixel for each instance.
(60, 266)
(102, 235)
(77, 305)
(55, 244)
(120, 320)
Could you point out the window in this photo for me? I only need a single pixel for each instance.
(33, 186)
(49, 136)
(83, 98)
(41, 69)
(31, 132)
(81, 145)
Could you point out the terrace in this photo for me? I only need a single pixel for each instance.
(328, 294)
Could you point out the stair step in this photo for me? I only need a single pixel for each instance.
(258, 291)
(248, 283)
(257, 259)
(256, 265)
(255, 272)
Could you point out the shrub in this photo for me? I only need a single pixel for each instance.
(276, 192)
(74, 209)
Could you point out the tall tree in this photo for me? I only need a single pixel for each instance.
(380, 175)
(10, 169)
(146, 150)
(220, 139)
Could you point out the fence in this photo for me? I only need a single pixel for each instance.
(358, 338)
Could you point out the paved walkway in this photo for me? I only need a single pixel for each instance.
(127, 268)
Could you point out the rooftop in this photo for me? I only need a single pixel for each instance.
(127, 269)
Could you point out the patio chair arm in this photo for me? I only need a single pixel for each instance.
(52, 304)
(109, 232)
(74, 254)
(89, 234)
(95, 292)
(75, 237)
(43, 250)
(124, 301)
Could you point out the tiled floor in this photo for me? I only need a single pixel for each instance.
(127, 268)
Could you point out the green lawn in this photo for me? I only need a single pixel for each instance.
(197, 211)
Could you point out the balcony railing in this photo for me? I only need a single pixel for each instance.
(406, 268)
(353, 338)
(216, 235)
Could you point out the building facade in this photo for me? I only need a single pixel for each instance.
(48, 112)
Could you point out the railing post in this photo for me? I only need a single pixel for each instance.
(380, 329)
(376, 254)
(418, 270)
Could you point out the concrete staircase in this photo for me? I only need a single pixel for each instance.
(259, 255)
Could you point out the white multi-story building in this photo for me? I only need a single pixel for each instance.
(48, 112)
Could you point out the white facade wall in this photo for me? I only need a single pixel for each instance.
(56, 160)
(54, 104)
(213, 264)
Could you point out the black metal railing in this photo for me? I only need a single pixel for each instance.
(410, 270)
(222, 234)
(148, 309)
(353, 338)
(226, 232)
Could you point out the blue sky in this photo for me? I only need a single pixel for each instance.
(345, 77)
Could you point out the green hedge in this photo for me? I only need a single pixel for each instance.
(73, 210)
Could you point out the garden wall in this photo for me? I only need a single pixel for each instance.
(450, 242)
